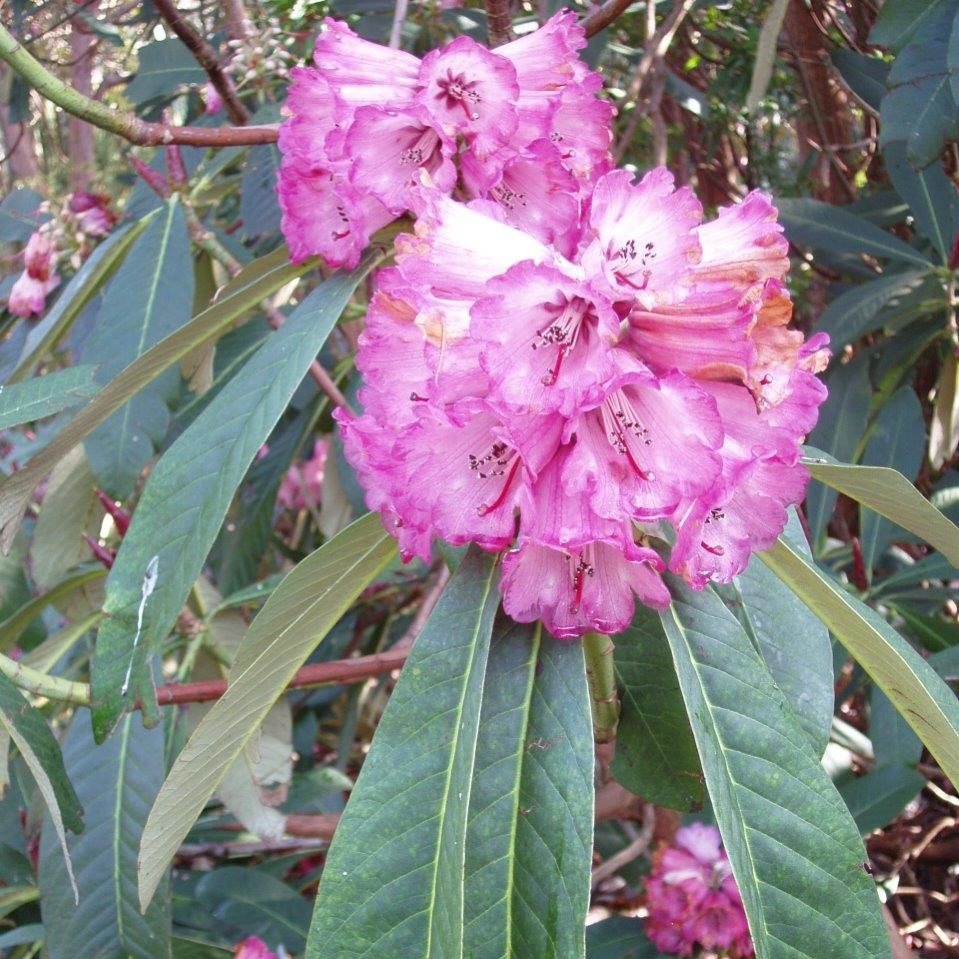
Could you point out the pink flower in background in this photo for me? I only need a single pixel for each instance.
(253, 948)
(29, 293)
(92, 212)
(368, 125)
(302, 487)
(571, 406)
(692, 899)
(212, 101)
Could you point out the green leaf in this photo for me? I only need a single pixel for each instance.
(932, 632)
(794, 848)
(878, 797)
(20, 215)
(255, 282)
(150, 297)
(83, 286)
(899, 20)
(859, 310)
(656, 755)
(823, 226)
(164, 65)
(298, 614)
(897, 440)
(28, 731)
(259, 208)
(893, 742)
(393, 881)
(794, 644)
(116, 783)
(45, 395)
(256, 904)
(919, 108)
(842, 423)
(890, 494)
(620, 937)
(188, 494)
(924, 700)
(865, 76)
(930, 194)
(530, 828)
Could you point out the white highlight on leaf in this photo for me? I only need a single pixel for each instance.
(149, 584)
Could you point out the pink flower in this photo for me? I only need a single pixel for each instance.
(212, 101)
(302, 486)
(571, 406)
(92, 212)
(253, 948)
(369, 125)
(29, 293)
(691, 897)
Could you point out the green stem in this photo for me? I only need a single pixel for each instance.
(40, 684)
(600, 675)
(126, 125)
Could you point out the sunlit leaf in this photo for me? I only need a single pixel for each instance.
(45, 395)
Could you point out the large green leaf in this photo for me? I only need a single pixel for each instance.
(116, 783)
(898, 441)
(865, 76)
(188, 494)
(44, 395)
(842, 423)
(890, 494)
(821, 225)
(149, 298)
(164, 65)
(298, 614)
(878, 797)
(655, 752)
(83, 286)
(393, 881)
(794, 848)
(794, 644)
(924, 700)
(620, 937)
(859, 310)
(255, 282)
(899, 20)
(529, 835)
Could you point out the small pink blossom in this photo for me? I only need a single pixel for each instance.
(302, 487)
(212, 101)
(92, 212)
(691, 897)
(253, 948)
(29, 293)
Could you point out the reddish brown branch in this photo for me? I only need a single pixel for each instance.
(316, 674)
(603, 16)
(205, 55)
(500, 23)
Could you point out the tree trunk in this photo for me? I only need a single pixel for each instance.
(80, 133)
(16, 145)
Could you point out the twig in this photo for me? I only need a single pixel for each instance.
(399, 17)
(628, 853)
(205, 55)
(500, 23)
(603, 16)
(126, 125)
(600, 676)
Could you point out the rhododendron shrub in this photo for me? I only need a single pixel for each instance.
(573, 376)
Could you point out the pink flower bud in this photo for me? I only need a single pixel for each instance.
(253, 948)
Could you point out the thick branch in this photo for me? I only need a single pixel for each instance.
(126, 125)
(205, 55)
(603, 16)
(499, 21)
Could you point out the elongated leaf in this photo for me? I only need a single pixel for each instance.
(897, 440)
(27, 730)
(890, 494)
(189, 492)
(164, 65)
(794, 848)
(899, 20)
(294, 619)
(150, 297)
(944, 428)
(243, 293)
(924, 700)
(393, 882)
(865, 76)
(116, 783)
(930, 194)
(794, 644)
(655, 752)
(620, 937)
(81, 289)
(821, 225)
(859, 310)
(529, 836)
(45, 395)
(878, 797)
(842, 423)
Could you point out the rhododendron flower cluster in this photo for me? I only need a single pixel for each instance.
(577, 377)
(28, 295)
(692, 898)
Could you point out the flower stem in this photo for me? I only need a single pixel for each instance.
(604, 700)
(126, 125)
(40, 684)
